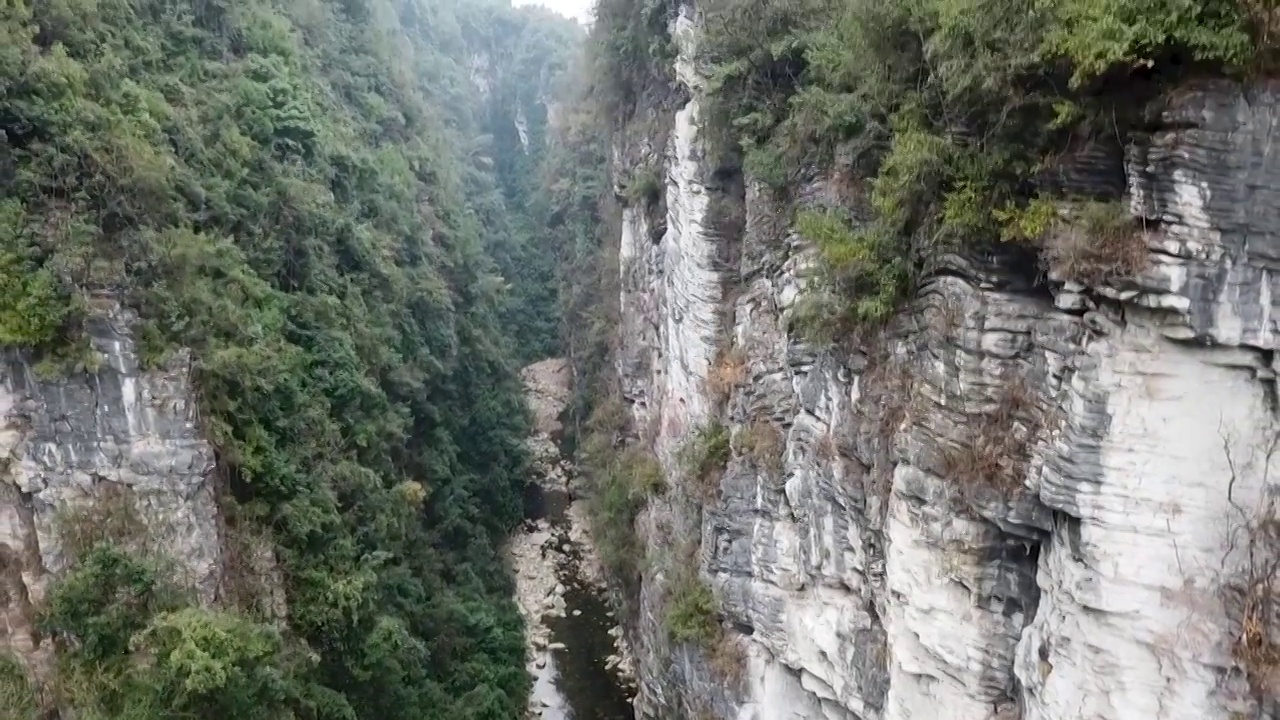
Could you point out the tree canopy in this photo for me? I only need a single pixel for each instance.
(322, 200)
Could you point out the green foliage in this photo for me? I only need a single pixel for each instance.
(692, 614)
(221, 665)
(949, 107)
(863, 274)
(841, 247)
(300, 192)
(757, 49)
(34, 306)
(529, 52)
(632, 51)
(104, 600)
(621, 493)
(1098, 35)
(767, 165)
(583, 216)
(645, 187)
(706, 453)
(17, 698)
(135, 649)
(622, 480)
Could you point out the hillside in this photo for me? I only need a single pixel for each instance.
(264, 424)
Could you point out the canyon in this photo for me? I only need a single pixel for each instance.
(1025, 495)
(581, 668)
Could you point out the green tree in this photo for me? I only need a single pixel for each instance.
(292, 189)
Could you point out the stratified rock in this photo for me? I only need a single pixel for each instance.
(114, 446)
(870, 575)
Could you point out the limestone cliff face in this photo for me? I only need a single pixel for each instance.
(862, 573)
(117, 439)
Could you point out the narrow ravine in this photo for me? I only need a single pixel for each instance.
(581, 667)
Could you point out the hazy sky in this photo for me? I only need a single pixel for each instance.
(580, 9)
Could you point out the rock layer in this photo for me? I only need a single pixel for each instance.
(79, 447)
(866, 571)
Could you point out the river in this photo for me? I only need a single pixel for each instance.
(581, 667)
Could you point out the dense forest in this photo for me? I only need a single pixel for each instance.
(331, 204)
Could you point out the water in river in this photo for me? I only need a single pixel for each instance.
(574, 655)
(577, 681)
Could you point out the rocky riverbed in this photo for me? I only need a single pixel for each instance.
(576, 653)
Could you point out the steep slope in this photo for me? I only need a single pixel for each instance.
(262, 427)
(519, 62)
(937, 436)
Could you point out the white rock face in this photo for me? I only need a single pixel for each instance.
(118, 437)
(869, 577)
(1130, 622)
(690, 302)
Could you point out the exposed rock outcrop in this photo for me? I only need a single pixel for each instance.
(859, 560)
(79, 447)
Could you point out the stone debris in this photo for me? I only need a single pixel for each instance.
(539, 553)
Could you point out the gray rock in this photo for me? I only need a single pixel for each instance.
(114, 451)
(876, 574)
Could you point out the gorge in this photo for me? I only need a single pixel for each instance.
(724, 360)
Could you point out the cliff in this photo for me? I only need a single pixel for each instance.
(115, 452)
(1023, 498)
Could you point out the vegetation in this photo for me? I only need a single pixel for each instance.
(866, 271)
(997, 445)
(17, 698)
(1251, 580)
(113, 608)
(765, 445)
(952, 109)
(693, 615)
(728, 372)
(705, 454)
(959, 116)
(633, 53)
(622, 480)
(531, 55)
(303, 193)
(645, 187)
(1251, 596)
(1094, 242)
(580, 213)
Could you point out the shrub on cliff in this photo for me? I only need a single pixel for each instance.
(622, 480)
(693, 617)
(704, 456)
(133, 647)
(950, 108)
(18, 699)
(692, 613)
(632, 51)
(765, 445)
